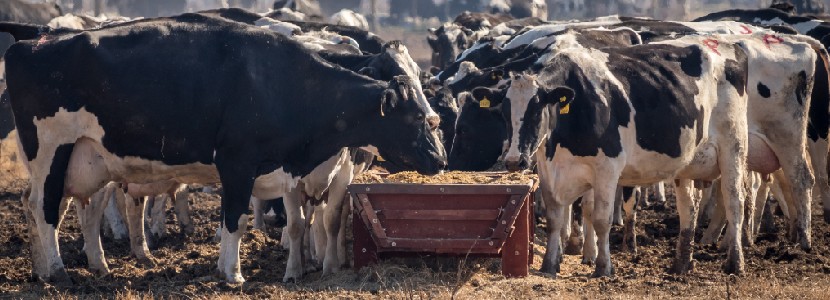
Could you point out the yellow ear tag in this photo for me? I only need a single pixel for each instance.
(565, 109)
(484, 103)
(563, 99)
(380, 158)
(494, 76)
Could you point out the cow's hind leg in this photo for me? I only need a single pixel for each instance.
(630, 198)
(135, 223)
(45, 201)
(577, 237)
(294, 230)
(589, 247)
(687, 204)
(238, 182)
(182, 208)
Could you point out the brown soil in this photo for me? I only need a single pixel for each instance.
(186, 267)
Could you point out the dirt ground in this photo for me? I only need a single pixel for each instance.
(186, 267)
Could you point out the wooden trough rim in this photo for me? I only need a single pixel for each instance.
(520, 193)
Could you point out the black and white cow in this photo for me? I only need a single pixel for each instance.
(347, 17)
(310, 8)
(702, 84)
(248, 133)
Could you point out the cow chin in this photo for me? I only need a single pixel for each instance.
(515, 164)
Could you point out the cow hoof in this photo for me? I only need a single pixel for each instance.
(146, 262)
(60, 278)
(588, 261)
(100, 272)
(330, 270)
(603, 271)
(682, 267)
(573, 247)
(235, 279)
(549, 267)
(733, 267)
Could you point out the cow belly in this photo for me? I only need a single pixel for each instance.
(87, 171)
(704, 165)
(761, 158)
(274, 185)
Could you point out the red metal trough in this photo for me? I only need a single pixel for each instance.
(476, 219)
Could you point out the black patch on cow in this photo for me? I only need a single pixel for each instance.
(659, 83)
(591, 125)
(692, 64)
(801, 87)
(54, 184)
(763, 90)
(736, 71)
(819, 123)
(479, 137)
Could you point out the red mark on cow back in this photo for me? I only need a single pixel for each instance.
(43, 39)
(745, 30)
(772, 39)
(712, 44)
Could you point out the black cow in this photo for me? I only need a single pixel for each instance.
(480, 133)
(285, 112)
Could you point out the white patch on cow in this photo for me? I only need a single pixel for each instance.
(284, 28)
(228, 263)
(464, 69)
(287, 14)
(401, 56)
(521, 91)
(545, 30)
(348, 17)
(274, 184)
(69, 21)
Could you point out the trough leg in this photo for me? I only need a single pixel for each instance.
(365, 250)
(516, 248)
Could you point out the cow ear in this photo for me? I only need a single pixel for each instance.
(561, 96)
(432, 30)
(369, 72)
(486, 97)
(496, 75)
(388, 102)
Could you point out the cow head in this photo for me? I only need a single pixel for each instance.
(468, 77)
(527, 117)
(404, 137)
(447, 42)
(480, 131)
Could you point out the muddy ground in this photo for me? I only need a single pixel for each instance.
(186, 267)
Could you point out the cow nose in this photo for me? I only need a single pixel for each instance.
(512, 166)
(433, 121)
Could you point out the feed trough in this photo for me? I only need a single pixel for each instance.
(493, 220)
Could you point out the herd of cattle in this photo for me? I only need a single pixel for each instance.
(113, 113)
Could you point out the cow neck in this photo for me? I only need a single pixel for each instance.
(346, 122)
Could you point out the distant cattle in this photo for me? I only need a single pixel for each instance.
(161, 140)
(350, 18)
(310, 8)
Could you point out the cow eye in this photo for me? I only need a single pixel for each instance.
(419, 118)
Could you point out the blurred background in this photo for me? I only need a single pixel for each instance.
(407, 20)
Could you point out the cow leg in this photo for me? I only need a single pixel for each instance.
(45, 204)
(39, 264)
(90, 220)
(294, 230)
(566, 231)
(332, 218)
(630, 198)
(687, 203)
(341, 236)
(818, 158)
(752, 184)
(553, 251)
(800, 181)
(604, 187)
(661, 192)
(589, 247)
(618, 207)
(182, 209)
(577, 237)
(718, 219)
(259, 213)
(238, 183)
(761, 199)
(158, 216)
(135, 222)
(308, 239)
(732, 189)
(112, 214)
(318, 232)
